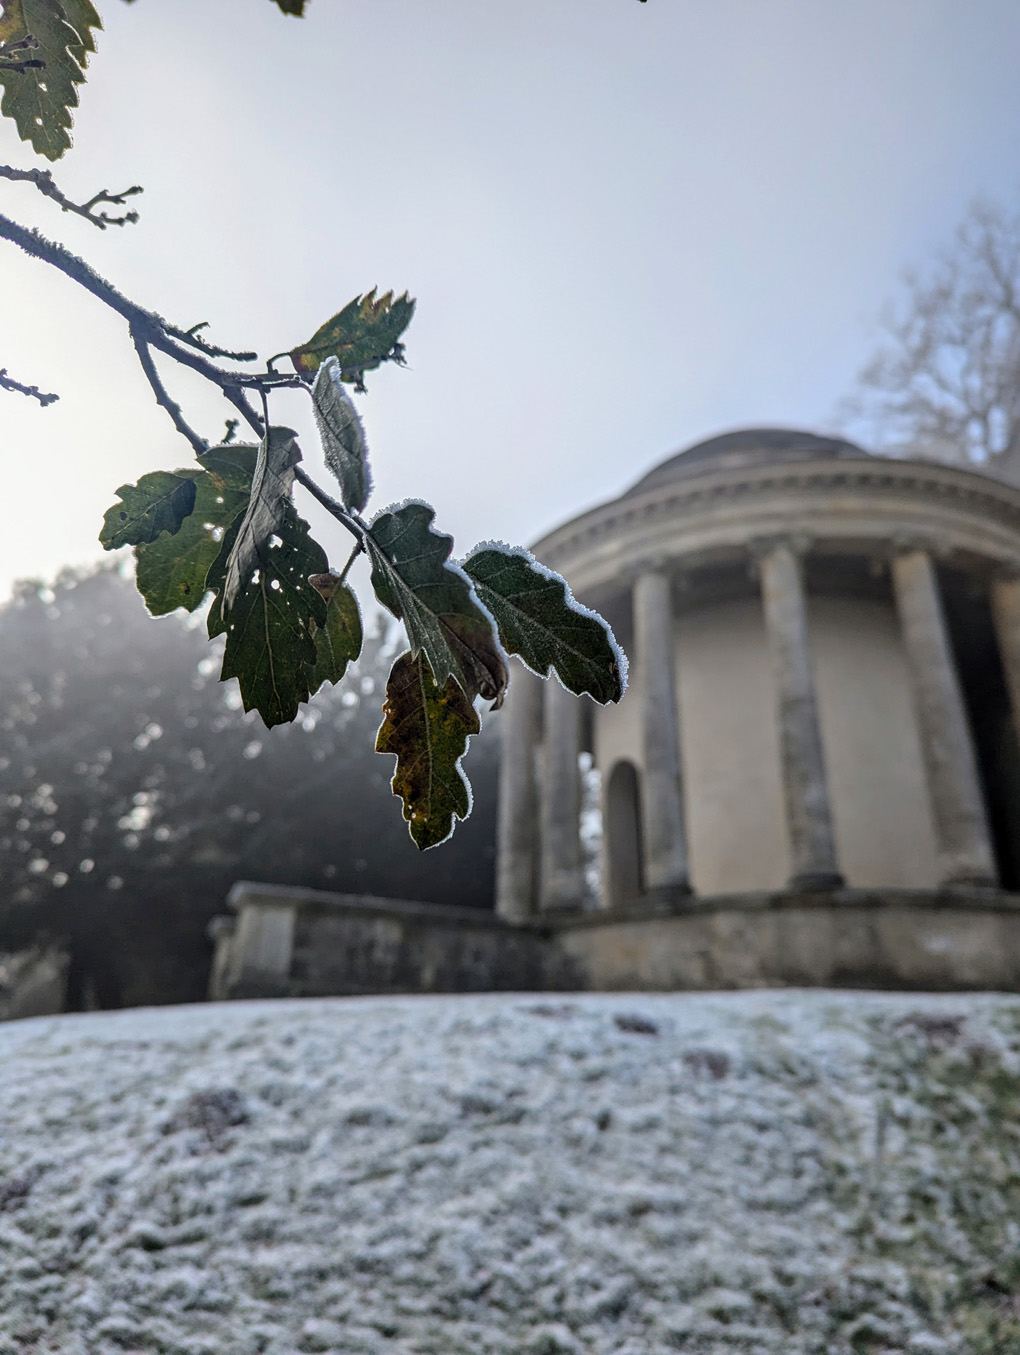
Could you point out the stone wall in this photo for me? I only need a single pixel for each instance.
(305, 943)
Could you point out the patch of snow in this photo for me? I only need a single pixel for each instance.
(798, 1173)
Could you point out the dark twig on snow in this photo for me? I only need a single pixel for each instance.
(43, 180)
(8, 383)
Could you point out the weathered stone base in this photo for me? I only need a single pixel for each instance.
(289, 942)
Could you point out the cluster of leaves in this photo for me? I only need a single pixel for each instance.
(44, 50)
(230, 528)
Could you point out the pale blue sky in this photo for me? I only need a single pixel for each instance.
(629, 226)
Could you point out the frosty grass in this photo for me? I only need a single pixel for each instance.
(555, 1175)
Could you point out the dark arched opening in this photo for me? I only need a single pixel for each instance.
(623, 836)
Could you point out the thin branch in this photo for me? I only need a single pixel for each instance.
(8, 383)
(150, 331)
(354, 524)
(152, 327)
(43, 180)
(358, 548)
(163, 397)
(192, 337)
(241, 403)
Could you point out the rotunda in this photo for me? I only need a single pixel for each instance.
(825, 688)
(814, 778)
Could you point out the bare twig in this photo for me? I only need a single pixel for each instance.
(358, 548)
(8, 383)
(163, 398)
(354, 524)
(150, 331)
(152, 327)
(192, 337)
(946, 381)
(43, 180)
(240, 401)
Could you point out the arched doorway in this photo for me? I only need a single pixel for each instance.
(624, 882)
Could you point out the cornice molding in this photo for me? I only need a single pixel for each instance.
(969, 492)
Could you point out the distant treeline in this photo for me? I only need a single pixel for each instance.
(134, 792)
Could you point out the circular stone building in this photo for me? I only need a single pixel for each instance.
(814, 778)
(815, 775)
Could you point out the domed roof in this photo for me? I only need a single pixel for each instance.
(746, 447)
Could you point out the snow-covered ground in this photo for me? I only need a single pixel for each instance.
(748, 1172)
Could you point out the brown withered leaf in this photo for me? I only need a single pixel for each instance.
(427, 727)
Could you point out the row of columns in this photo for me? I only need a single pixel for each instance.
(539, 859)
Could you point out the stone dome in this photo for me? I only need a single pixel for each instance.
(746, 447)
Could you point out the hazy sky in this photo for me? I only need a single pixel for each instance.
(628, 226)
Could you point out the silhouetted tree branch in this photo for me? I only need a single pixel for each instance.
(946, 381)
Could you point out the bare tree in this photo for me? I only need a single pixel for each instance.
(945, 382)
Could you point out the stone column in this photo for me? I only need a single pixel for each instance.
(805, 791)
(961, 827)
(560, 876)
(1005, 599)
(517, 825)
(662, 806)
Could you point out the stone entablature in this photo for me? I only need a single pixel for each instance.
(872, 505)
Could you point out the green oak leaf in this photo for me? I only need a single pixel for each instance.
(363, 335)
(170, 572)
(540, 621)
(40, 99)
(271, 626)
(83, 18)
(427, 727)
(343, 437)
(160, 502)
(434, 599)
(338, 641)
(270, 497)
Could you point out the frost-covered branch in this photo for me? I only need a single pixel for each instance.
(150, 331)
(176, 343)
(8, 383)
(193, 337)
(42, 179)
(162, 396)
